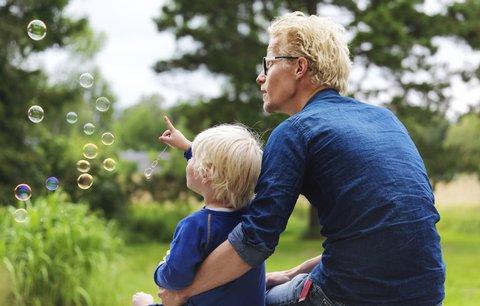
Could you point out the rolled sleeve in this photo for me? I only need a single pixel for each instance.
(253, 256)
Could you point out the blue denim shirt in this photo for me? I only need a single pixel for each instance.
(358, 166)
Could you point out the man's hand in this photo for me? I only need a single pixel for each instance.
(276, 278)
(174, 137)
(171, 298)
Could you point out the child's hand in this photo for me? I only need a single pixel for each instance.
(142, 299)
(174, 137)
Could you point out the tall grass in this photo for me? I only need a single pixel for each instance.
(52, 257)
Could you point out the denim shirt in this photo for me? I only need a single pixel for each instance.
(358, 166)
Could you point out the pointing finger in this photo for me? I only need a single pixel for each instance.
(169, 124)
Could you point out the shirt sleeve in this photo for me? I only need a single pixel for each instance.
(279, 185)
(186, 253)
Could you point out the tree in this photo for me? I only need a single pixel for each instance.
(392, 40)
(463, 138)
(31, 152)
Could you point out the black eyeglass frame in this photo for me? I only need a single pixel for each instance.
(272, 58)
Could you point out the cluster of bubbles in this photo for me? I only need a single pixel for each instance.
(23, 192)
(37, 30)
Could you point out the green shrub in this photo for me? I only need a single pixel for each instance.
(152, 222)
(55, 257)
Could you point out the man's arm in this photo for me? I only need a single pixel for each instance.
(221, 266)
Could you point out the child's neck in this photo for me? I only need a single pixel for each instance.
(215, 205)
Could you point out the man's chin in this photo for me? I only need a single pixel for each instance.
(268, 108)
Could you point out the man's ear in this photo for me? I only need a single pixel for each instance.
(302, 67)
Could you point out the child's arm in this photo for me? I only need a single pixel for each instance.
(186, 253)
(277, 278)
(174, 137)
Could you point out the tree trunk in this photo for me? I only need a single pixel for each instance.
(313, 230)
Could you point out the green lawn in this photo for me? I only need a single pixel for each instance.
(459, 229)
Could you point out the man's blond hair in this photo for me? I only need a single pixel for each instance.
(321, 41)
(231, 156)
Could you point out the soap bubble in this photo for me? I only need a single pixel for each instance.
(109, 164)
(72, 117)
(148, 173)
(83, 165)
(36, 29)
(35, 114)
(20, 215)
(23, 192)
(52, 183)
(108, 138)
(85, 181)
(102, 104)
(90, 150)
(86, 80)
(89, 128)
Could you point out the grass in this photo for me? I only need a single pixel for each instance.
(459, 229)
(460, 232)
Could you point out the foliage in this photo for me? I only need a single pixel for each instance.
(31, 152)
(52, 257)
(153, 222)
(463, 138)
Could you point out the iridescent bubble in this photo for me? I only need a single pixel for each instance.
(72, 117)
(85, 181)
(23, 192)
(148, 173)
(109, 164)
(88, 128)
(108, 138)
(86, 80)
(90, 150)
(35, 114)
(20, 215)
(102, 104)
(52, 183)
(36, 29)
(154, 163)
(83, 165)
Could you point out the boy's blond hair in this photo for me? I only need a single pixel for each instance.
(231, 156)
(321, 41)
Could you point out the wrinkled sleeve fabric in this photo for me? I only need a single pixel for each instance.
(279, 185)
(186, 253)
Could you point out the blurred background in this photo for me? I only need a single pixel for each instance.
(89, 196)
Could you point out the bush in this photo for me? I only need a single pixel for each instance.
(54, 257)
(152, 222)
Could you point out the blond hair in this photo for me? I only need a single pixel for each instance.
(231, 156)
(321, 41)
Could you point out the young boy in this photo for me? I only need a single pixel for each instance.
(223, 167)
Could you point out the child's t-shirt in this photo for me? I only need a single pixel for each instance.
(195, 237)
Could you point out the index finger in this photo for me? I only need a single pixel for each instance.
(168, 123)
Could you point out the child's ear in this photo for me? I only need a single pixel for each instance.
(207, 176)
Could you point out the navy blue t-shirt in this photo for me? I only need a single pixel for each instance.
(357, 164)
(195, 237)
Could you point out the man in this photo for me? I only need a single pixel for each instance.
(355, 163)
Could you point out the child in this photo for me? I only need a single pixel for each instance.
(223, 167)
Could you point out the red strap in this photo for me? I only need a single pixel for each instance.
(305, 290)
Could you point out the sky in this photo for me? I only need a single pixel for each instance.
(133, 45)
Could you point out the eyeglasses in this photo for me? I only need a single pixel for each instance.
(268, 61)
